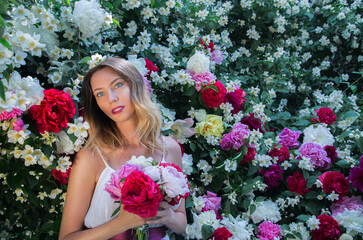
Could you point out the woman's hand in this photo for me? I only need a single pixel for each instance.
(163, 215)
(130, 219)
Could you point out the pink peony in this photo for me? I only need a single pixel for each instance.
(335, 181)
(18, 125)
(269, 231)
(200, 78)
(281, 153)
(217, 56)
(236, 138)
(318, 156)
(356, 176)
(116, 181)
(289, 138)
(325, 115)
(176, 182)
(6, 116)
(212, 202)
(350, 203)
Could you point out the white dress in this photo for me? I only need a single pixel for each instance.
(102, 205)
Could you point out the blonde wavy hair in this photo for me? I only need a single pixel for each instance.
(103, 131)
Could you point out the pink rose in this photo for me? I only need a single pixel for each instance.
(212, 202)
(281, 153)
(252, 122)
(220, 233)
(251, 153)
(237, 99)
(349, 203)
(297, 183)
(325, 115)
(318, 156)
(6, 116)
(115, 183)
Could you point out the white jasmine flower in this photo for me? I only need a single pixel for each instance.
(313, 223)
(230, 165)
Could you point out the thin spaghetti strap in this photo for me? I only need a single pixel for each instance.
(164, 146)
(104, 161)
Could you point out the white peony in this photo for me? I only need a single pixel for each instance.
(153, 172)
(200, 115)
(198, 63)
(266, 211)
(237, 226)
(141, 161)
(345, 236)
(352, 220)
(208, 218)
(318, 134)
(139, 64)
(89, 17)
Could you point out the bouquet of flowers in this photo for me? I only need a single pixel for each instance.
(143, 183)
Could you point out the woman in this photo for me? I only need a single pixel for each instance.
(124, 122)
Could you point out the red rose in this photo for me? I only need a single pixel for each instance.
(328, 229)
(335, 181)
(332, 152)
(249, 156)
(54, 112)
(326, 115)
(273, 176)
(282, 153)
(211, 97)
(236, 98)
(150, 66)
(297, 183)
(60, 176)
(141, 195)
(221, 233)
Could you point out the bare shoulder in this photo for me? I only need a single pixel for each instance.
(87, 160)
(173, 151)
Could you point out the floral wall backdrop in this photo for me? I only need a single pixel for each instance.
(264, 97)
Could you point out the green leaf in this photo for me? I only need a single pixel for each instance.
(116, 211)
(247, 189)
(260, 199)
(2, 90)
(85, 60)
(192, 146)
(207, 231)
(246, 204)
(303, 217)
(350, 114)
(343, 164)
(252, 208)
(68, 2)
(2, 26)
(5, 43)
(117, 23)
(302, 123)
(310, 181)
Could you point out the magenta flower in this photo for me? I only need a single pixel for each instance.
(350, 203)
(356, 176)
(18, 125)
(273, 176)
(6, 116)
(113, 187)
(217, 56)
(200, 78)
(212, 202)
(318, 156)
(236, 138)
(269, 231)
(289, 138)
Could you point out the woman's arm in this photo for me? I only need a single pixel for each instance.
(175, 220)
(80, 190)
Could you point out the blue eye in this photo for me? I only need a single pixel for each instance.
(117, 85)
(100, 94)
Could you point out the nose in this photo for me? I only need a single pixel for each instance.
(112, 96)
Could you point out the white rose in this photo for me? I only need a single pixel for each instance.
(345, 236)
(318, 134)
(199, 63)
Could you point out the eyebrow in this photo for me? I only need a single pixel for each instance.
(94, 90)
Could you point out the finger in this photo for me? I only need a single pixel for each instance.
(164, 205)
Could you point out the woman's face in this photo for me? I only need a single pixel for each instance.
(113, 97)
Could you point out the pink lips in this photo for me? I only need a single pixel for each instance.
(117, 110)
